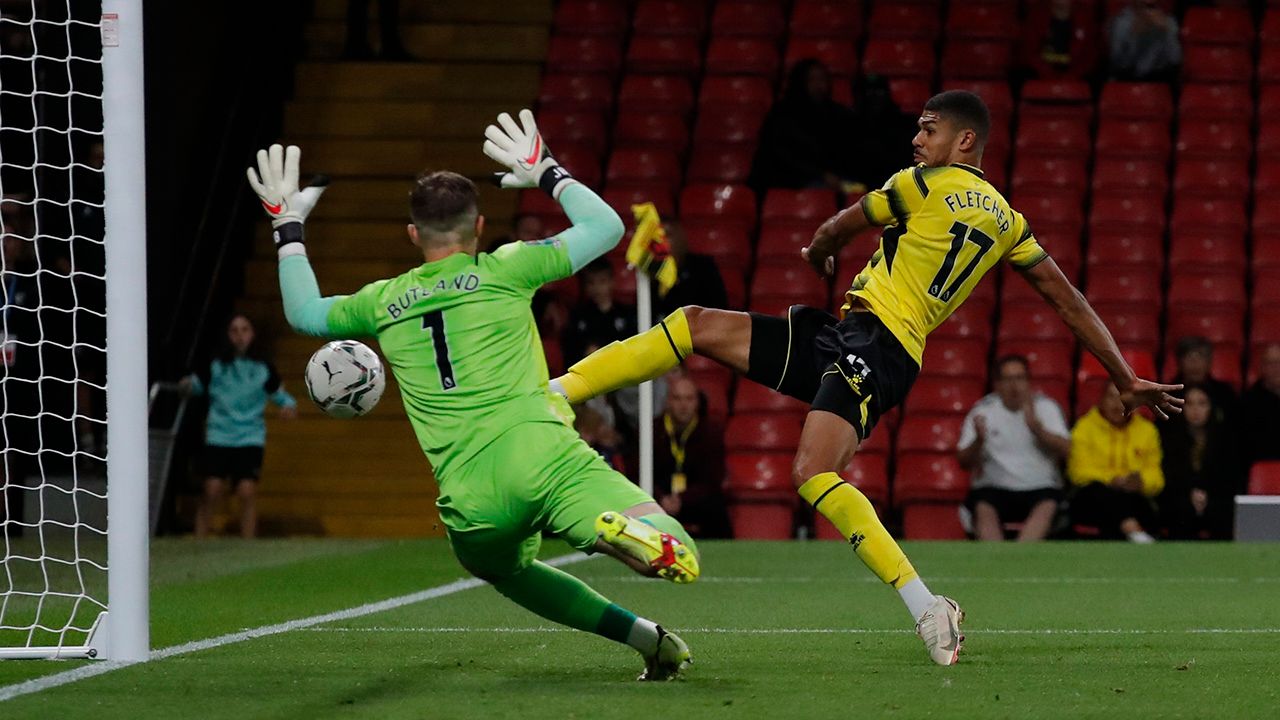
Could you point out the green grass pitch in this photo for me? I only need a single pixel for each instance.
(778, 630)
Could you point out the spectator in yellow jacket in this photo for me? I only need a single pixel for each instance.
(1115, 467)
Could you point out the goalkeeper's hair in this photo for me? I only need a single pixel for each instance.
(443, 202)
(965, 109)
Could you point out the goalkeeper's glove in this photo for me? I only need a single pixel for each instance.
(276, 183)
(521, 149)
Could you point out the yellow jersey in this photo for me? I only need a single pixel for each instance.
(945, 227)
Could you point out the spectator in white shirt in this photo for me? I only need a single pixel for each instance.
(1014, 440)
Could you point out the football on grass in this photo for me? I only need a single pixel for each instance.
(345, 378)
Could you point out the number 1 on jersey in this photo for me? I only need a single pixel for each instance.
(434, 321)
(959, 233)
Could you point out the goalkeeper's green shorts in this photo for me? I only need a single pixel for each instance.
(535, 476)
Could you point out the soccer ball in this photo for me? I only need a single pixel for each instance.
(345, 378)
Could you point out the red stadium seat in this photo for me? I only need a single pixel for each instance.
(1048, 208)
(980, 59)
(672, 55)
(1032, 322)
(764, 432)
(770, 520)
(1266, 252)
(622, 196)
(932, 521)
(1266, 220)
(720, 164)
(1269, 65)
(576, 92)
(969, 321)
(1221, 63)
(581, 128)
(1193, 289)
(1218, 26)
(826, 18)
(905, 21)
(1143, 363)
(1265, 328)
(780, 242)
(790, 284)
(728, 125)
(730, 205)
(747, 18)
(1138, 284)
(729, 245)
(1270, 32)
(925, 477)
(1136, 101)
(714, 387)
(1218, 326)
(1049, 360)
(655, 94)
(838, 54)
(754, 398)
(742, 56)
(1215, 139)
(1147, 139)
(1266, 178)
(591, 17)
(960, 358)
(867, 472)
(899, 58)
(943, 396)
(670, 17)
(1132, 326)
(756, 473)
(922, 433)
(1212, 101)
(631, 165)
(1212, 178)
(1265, 293)
(910, 94)
(658, 131)
(1268, 147)
(1264, 478)
(782, 204)
(1221, 214)
(1135, 210)
(1126, 175)
(995, 93)
(1136, 246)
(584, 54)
(1061, 92)
(983, 21)
(736, 90)
(1051, 174)
(1042, 136)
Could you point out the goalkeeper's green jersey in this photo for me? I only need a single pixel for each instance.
(463, 344)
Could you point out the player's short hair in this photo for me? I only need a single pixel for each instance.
(1012, 358)
(965, 109)
(443, 201)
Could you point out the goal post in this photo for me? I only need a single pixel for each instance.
(73, 332)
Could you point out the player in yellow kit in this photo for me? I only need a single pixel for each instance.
(945, 227)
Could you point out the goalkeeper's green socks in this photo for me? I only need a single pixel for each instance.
(562, 598)
(630, 362)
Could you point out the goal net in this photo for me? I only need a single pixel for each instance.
(58, 558)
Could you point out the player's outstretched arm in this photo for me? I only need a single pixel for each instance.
(596, 227)
(275, 180)
(1075, 311)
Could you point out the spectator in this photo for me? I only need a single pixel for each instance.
(1202, 472)
(1195, 363)
(598, 431)
(621, 410)
(1260, 417)
(1060, 41)
(19, 361)
(698, 281)
(1014, 441)
(1144, 43)
(808, 139)
(358, 47)
(597, 319)
(1115, 467)
(688, 462)
(524, 228)
(239, 382)
(881, 130)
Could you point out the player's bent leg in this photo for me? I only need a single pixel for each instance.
(649, 541)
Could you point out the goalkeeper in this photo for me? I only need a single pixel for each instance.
(461, 340)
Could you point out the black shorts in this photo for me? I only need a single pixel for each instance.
(233, 463)
(853, 367)
(1012, 505)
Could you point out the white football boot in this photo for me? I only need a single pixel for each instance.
(668, 661)
(939, 627)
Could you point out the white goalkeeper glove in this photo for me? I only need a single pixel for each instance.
(276, 183)
(521, 149)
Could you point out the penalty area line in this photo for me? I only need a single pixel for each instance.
(84, 672)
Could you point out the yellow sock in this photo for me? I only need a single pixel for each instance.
(630, 362)
(851, 512)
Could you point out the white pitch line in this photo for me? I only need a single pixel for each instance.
(818, 631)
(1067, 580)
(100, 668)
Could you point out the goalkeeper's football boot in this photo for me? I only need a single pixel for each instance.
(672, 559)
(939, 627)
(667, 662)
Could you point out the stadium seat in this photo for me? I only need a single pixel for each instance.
(904, 21)
(1266, 252)
(634, 165)
(1265, 292)
(720, 164)
(1132, 326)
(910, 94)
(780, 242)
(932, 521)
(1145, 139)
(591, 17)
(658, 131)
(736, 90)
(1032, 322)
(1212, 178)
(1266, 177)
(755, 398)
(983, 21)
(1048, 208)
(955, 358)
(1264, 478)
(584, 54)
(1212, 139)
(1265, 327)
(730, 205)
(670, 55)
(922, 433)
(1213, 101)
(1195, 250)
(790, 284)
(764, 432)
(729, 245)
(759, 474)
(1143, 364)
(1218, 26)
(1268, 146)
(781, 204)
(582, 128)
(1138, 284)
(575, 92)
(1269, 34)
(742, 56)
(1195, 211)
(670, 17)
(995, 93)
(1126, 175)
(1217, 326)
(655, 94)
(1269, 65)
(1057, 99)
(930, 477)
(1049, 360)
(826, 18)
(1050, 174)
(943, 396)
(770, 520)
(969, 321)
(1193, 289)
(728, 125)
(1044, 136)
(622, 196)
(1136, 101)
(868, 473)
(899, 58)
(1222, 63)
(1134, 210)
(1126, 246)
(1266, 221)
(748, 18)
(978, 59)
(838, 54)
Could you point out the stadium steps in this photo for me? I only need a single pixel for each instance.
(373, 126)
